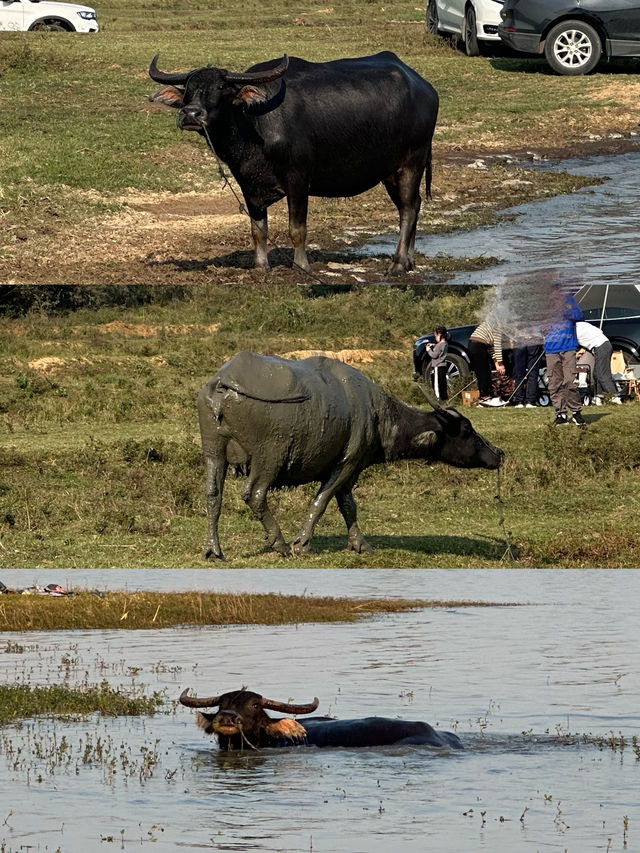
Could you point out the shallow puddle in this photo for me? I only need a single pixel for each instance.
(589, 236)
(507, 679)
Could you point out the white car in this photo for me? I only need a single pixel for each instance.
(474, 21)
(23, 15)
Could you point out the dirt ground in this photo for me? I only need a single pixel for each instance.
(194, 238)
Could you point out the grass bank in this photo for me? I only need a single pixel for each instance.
(101, 464)
(144, 610)
(20, 701)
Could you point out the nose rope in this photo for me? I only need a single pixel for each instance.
(246, 739)
(509, 552)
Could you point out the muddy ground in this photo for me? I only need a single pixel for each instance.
(202, 238)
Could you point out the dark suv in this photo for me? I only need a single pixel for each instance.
(572, 34)
(622, 328)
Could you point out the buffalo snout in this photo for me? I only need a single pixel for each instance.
(491, 456)
(227, 720)
(191, 117)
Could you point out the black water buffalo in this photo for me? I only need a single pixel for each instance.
(295, 128)
(284, 423)
(241, 720)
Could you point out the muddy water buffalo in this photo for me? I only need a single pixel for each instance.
(288, 127)
(241, 721)
(284, 423)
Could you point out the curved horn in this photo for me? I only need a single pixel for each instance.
(163, 76)
(286, 708)
(432, 400)
(259, 76)
(196, 702)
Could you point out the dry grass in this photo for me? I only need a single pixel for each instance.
(142, 610)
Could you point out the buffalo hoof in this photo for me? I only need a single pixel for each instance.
(360, 546)
(301, 548)
(210, 552)
(282, 548)
(398, 268)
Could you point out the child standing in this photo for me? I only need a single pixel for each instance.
(437, 353)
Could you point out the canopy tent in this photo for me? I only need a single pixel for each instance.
(606, 301)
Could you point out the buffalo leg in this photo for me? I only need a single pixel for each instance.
(404, 190)
(355, 539)
(298, 209)
(337, 482)
(215, 473)
(259, 234)
(255, 496)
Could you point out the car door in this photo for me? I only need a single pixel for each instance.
(621, 18)
(451, 14)
(11, 15)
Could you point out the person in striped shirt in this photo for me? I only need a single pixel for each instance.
(485, 351)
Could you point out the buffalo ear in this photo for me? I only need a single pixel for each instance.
(425, 439)
(249, 96)
(170, 96)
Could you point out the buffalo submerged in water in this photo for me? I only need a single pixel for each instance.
(241, 721)
(284, 423)
(292, 128)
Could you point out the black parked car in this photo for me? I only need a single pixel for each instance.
(572, 34)
(623, 331)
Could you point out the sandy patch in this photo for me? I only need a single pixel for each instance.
(349, 356)
(53, 363)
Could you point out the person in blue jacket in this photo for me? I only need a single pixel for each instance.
(560, 345)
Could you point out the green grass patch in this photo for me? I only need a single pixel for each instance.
(144, 610)
(22, 701)
(100, 461)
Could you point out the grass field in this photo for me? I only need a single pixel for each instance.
(101, 196)
(101, 463)
(97, 186)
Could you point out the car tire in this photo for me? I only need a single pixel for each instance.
(572, 48)
(471, 46)
(49, 27)
(458, 374)
(432, 20)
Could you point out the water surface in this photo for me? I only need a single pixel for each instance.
(507, 679)
(589, 235)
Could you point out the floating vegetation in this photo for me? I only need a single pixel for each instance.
(139, 610)
(39, 755)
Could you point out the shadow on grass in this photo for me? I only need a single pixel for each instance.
(465, 546)
(277, 258)
(534, 64)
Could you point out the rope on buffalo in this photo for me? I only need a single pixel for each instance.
(243, 209)
(509, 552)
(510, 549)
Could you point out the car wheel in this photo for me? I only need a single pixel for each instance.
(572, 47)
(49, 27)
(432, 18)
(544, 399)
(458, 374)
(471, 46)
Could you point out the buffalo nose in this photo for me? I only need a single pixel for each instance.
(191, 115)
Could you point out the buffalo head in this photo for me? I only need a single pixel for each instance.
(241, 718)
(460, 445)
(207, 91)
